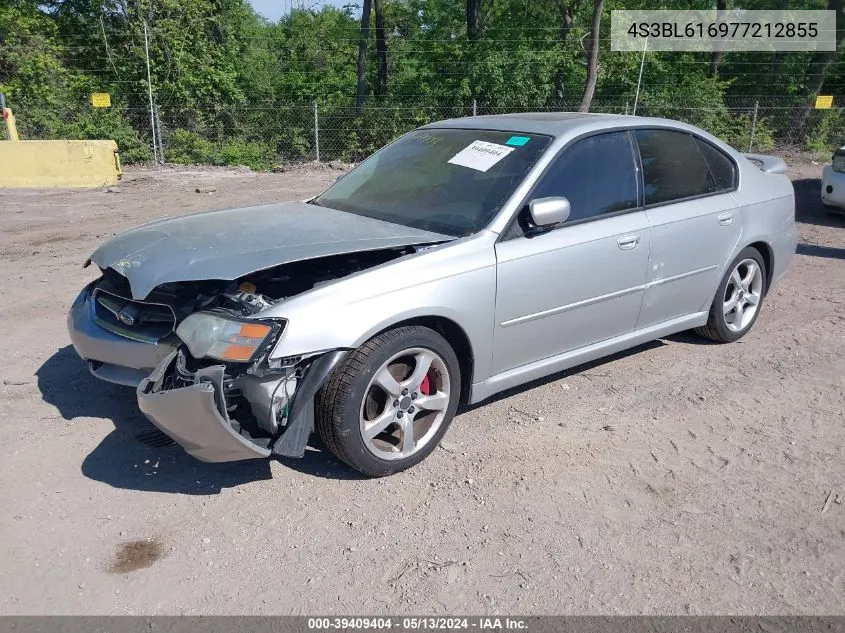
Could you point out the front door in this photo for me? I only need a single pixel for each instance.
(582, 281)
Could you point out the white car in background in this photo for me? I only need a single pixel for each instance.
(833, 183)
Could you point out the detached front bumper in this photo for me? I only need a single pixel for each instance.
(195, 411)
(195, 417)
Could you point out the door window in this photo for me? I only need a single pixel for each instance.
(596, 174)
(673, 166)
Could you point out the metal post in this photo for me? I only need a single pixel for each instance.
(150, 92)
(626, 107)
(640, 78)
(316, 132)
(2, 114)
(161, 158)
(474, 108)
(753, 125)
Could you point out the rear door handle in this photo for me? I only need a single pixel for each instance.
(627, 242)
(726, 218)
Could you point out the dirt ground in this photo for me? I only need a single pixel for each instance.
(679, 477)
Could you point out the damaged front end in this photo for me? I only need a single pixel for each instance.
(199, 354)
(220, 396)
(218, 416)
(184, 311)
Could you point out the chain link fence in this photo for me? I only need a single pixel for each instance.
(325, 132)
(265, 136)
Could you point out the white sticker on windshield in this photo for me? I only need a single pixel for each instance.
(481, 155)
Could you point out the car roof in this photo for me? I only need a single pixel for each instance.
(554, 123)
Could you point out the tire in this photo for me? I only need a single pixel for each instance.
(727, 326)
(354, 403)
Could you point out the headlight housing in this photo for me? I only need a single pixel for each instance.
(215, 336)
(839, 162)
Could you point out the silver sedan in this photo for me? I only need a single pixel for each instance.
(467, 257)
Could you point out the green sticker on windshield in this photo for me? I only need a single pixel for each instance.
(517, 141)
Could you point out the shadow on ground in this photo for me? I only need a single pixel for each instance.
(585, 369)
(121, 460)
(814, 250)
(808, 204)
(319, 462)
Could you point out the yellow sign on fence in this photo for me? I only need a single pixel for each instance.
(101, 100)
(823, 102)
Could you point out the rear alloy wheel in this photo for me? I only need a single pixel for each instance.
(738, 299)
(386, 406)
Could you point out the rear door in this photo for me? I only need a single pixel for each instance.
(582, 281)
(694, 221)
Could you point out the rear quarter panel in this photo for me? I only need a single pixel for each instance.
(766, 206)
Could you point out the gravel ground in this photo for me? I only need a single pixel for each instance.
(679, 477)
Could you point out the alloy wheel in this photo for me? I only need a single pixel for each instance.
(405, 403)
(742, 295)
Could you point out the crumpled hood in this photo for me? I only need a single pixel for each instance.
(232, 243)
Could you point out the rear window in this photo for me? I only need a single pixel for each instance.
(721, 166)
(673, 166)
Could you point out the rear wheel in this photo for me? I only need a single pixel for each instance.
(388, 404)
(738, 299)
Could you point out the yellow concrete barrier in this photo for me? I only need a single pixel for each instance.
(87, 164)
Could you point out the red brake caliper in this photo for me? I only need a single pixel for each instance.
(425, 386)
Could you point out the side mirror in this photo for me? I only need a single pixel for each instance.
(549, 211)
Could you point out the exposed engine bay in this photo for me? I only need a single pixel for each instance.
(252, 293)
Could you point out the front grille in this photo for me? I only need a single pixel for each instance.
(138, 320)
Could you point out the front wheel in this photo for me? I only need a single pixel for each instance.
(388, 404)
(738, 299)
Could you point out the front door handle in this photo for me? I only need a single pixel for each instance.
(726, 218)
(627, 242)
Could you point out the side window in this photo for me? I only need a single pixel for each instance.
(596, 174)
(721, 167)
(673, 167)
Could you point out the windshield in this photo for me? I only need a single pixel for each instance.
(444, 180)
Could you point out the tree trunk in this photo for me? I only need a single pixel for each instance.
(381, 49)
(592, 53)
(718, 52)
(566, 11)
(473, 20)
(362, 56)
(567, 15)
(774, 68)
(820, 63)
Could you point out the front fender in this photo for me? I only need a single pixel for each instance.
(459, 286)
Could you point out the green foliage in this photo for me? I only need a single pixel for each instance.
(187, 148)
(110, 123)
(696, 100)
(736, 131)
(252, 154)
(233, 88)
(825, 131)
